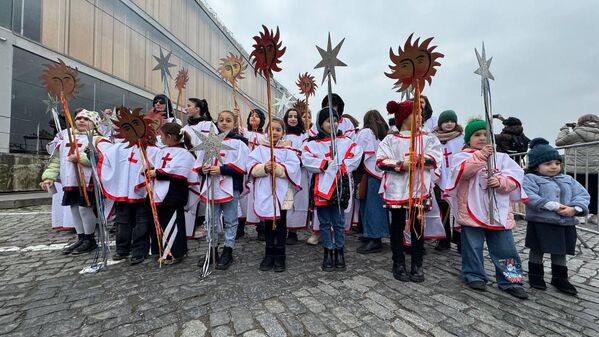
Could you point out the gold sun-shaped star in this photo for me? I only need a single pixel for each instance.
(58, 78)
(231, 68)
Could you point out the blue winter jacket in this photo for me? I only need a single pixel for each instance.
(561, 188)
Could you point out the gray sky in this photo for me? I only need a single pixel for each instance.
(545, 53)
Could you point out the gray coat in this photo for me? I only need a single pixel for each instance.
(586, 131)
(561, 188)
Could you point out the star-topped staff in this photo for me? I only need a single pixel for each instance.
(485, 75)
(283, 103)
(329, 61)
(211, 144)
(165, 73)
(266, 55)
(52, 107)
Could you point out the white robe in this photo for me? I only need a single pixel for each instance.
(262, 205)
(478, 197)
(297, 216)
(450, 149)
(223, 185)
(61, 215)
(347, 159)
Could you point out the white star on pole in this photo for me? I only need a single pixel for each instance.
(211, 144)
(329, 59)
(51, 103)
(283, 103)
(483, 69)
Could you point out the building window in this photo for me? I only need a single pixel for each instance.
(27, 15)
(6, 13)
(31, 126)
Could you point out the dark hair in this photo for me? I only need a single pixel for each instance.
(280, 121)
(336, 101)
(165, 99)
(374, 121)
(299, 128)
(202, 104)
(353, 120)
(174, 129)
(262, 117)
(428, 109)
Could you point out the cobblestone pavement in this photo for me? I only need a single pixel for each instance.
(43, 294)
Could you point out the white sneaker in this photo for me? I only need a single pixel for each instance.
(314, 239)
(593, 219)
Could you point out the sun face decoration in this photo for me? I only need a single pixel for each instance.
(300, 106)
(181, 79)
(267, 52)
(414, 64)
(306, 84)
(231, 68)
(58, 78)
(133, 128)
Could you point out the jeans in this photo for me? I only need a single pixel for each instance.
(331, 217)
(375, 218)
(228, 210)
(502, 250)
(134, 223)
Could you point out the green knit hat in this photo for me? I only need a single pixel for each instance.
(447, 115)
(473, 126)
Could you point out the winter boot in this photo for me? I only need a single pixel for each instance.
(88, 245)
(535, 276)
(291, 238)
(268, 260)
(339, 259)
(417, 273)
(327, 261)
(68, 249)
(399, 272)
(371, 245)
(226, 259)
(560, 279)
(279, 265)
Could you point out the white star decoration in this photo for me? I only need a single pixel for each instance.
(211, 144)
(483, 69)
(283, 103)
(329, 59)
(51, 103)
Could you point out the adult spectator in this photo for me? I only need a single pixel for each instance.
(512, 140)
(581, 159)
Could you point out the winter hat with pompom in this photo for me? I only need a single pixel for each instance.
(401, 111)
(541, 152)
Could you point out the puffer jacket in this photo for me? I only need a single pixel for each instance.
(512, 140)
(588, 132)
(561, 188)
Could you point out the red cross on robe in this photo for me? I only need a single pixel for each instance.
(71, 147)
(166, 159)
(132, 159)
(446, 155)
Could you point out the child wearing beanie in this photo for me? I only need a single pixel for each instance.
(469, 199)
(554, 201)
(331, 164)
(393, 156)
(451, 136)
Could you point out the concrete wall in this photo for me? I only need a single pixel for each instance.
(21, 172)
(6, 42)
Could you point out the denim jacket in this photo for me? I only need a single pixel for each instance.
(561, 188)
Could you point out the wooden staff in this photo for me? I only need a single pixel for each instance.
(148, 184)
(272, 155)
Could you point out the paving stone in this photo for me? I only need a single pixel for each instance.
(242, 320)
(222, 331)
(270, 324)
(194, 328)
(219, 318)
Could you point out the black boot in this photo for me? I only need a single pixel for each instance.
(417, 273)
(213, 257)
(268, 260)
(260, 232)
(371, 246)
(291, 238)
(88, 245)
(327, 261)
(400, 273)
(279, 265)
(240, 228)
(535, 276)
(560, 279)
(68, 249)
(226, 259)
(339, 258)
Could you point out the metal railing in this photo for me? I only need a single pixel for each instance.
(588, 168)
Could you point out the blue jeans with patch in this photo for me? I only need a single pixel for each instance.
(331, 216)
(228, 210)
(502, 250)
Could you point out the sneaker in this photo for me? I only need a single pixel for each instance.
(477, 285)
(314, 239)
(593, 219)
(517, 292)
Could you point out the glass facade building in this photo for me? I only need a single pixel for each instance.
(113, 44)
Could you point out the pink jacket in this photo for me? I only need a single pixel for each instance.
(471, 167)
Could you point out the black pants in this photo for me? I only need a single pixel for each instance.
(276, 238)
(165, 214)
(396, 231)
(133, 223)
(592, 189)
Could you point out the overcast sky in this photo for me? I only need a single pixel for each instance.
(545, 53)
